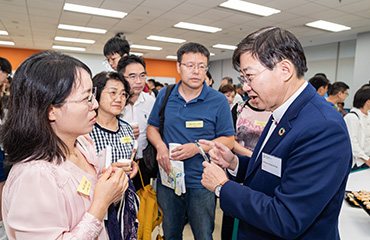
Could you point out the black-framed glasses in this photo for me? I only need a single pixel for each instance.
(248, 78)
(89, 100)
(192, 66)
(133, 77)
(115, 94)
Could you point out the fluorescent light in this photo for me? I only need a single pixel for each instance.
(328, 26)
(77, 40)
(166, 39)
(146, 47)
(197, 27)
(224, 46)
(249, 8)
(82, 29)
(69, 48)
(94, 11)
(171, 57)
(212, 54)
(137, 54)
(2, 32)
(6, 43)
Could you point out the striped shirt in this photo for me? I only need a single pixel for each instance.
(121, 140)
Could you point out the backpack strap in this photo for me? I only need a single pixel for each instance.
(355, 114)
(163, 107)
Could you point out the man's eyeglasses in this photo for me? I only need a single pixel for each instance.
(114, 94)
(247, 78)
(192, 66)
(89, 100)
(133, 77)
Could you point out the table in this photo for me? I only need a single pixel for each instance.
(354, 223)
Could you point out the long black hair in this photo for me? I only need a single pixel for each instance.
(43, 80)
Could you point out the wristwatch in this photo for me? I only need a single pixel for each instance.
(218, 188)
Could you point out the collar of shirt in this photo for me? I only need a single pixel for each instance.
(279, 112)
(201, 96)
(141, 98)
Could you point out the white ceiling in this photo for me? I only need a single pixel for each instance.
(33, 23)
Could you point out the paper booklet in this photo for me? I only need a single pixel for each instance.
(176, 178)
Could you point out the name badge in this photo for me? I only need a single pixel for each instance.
(194, 124)
(260, 123)
(271, 164)
(84, 186)
(125, 140)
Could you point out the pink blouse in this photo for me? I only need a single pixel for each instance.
(40, 200)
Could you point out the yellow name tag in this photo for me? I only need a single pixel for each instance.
(259, 123)
(84, 186)
(126, 140)
(194, 124)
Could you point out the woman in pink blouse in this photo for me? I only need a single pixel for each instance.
(56, 188)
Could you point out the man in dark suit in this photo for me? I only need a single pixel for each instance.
(293, 185)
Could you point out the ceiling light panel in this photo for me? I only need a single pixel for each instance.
(146, 47)
(328, 26)
(82, 29)
(137, 54)
(76, 40)
(69, 48)
(171, 57)
(94, 11)
(2, 32)
(224, 46)
(197, 27)
(165, 39)
(249, 8)
(7, 43)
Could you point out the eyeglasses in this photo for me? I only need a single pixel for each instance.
(192, 66)
(89, 100)
(247, 78)
(133, 77)
(114, 94)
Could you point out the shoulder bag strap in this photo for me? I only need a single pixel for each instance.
(163, 107)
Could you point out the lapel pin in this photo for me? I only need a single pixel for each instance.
(281, 131)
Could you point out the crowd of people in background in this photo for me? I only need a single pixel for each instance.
(65, 135)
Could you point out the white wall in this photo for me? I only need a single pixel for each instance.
(95, 62)
(362, 60)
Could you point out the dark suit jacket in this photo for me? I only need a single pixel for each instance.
(304, 203)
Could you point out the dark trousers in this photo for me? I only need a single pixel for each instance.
(227, 227)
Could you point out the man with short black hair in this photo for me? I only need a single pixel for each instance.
(358, 123)
(5, 70)
(337, 93)
(116, 48)
(293, 185)
(194, 111)
(320, 83)
(139, 106)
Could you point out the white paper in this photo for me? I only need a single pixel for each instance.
(176, 178)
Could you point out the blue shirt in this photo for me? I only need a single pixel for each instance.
(210, 116)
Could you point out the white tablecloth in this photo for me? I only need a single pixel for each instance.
(354, 223)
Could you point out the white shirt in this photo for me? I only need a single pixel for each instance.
(139, 113)
(277, 114)
(237, 99)
(359, 133)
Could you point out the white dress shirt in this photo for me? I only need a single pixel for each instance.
(139, 113)
(277, 115)
(359, 133)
